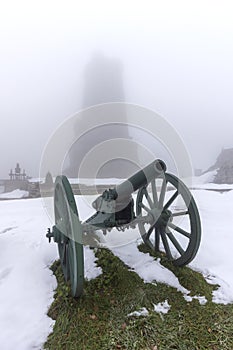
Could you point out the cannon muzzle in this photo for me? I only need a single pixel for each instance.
(115, 199)
(140, 179)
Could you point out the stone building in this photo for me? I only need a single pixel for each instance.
(18, 180)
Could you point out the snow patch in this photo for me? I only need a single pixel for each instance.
(149, 269)
(142, 312)
(162, 308)
(91, 270)
(16, 194)
(205, 178)
(202, 299)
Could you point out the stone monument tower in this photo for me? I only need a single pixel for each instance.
(103, 83)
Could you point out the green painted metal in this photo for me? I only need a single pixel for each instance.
(140, 179)
(115, 207)
(155, 216)
(67, 233)
(163, 234)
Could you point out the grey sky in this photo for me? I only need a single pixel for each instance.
(177, 59)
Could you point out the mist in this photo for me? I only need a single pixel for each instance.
(175, 57)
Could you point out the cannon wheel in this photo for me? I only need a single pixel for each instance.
(69, 234)
(179, 240)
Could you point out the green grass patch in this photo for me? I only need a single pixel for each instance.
(98, 320)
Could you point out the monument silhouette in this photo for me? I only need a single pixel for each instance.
(103, 83)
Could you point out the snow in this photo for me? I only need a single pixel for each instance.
(37, 179)
(91, 270)
(214, 258)
(205, 178)
(27, 284)
(95, 181)
(16, 194)
(147, 268)
(162, 308)
(142, 312)
(205, 181)
(202, 300)
(215, 187)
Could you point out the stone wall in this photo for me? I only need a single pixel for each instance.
(11, 185)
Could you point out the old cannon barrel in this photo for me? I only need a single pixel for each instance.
(121, 194)
(140, 179)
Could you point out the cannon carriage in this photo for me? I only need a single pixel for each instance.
(164, 212)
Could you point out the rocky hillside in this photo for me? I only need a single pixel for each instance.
(224, 166)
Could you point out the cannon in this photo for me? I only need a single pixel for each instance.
(164, 212)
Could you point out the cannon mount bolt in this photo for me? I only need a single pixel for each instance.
(49, 234)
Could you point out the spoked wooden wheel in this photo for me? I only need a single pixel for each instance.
(67, 233)
(170, 219)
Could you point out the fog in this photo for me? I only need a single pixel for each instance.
(175, 58)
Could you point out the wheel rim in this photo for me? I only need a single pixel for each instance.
(68, 235)
(175, 228)
(61, 218)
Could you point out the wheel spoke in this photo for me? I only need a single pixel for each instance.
(166, 245)
(147, 236)
(156, 239)
(180, 213)
(151, 204)
(142, 205)
(154, 192)
(178, 229)
(148, 243)
(171, 200)
(175, 242)
(162, 193)
(180, 243)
